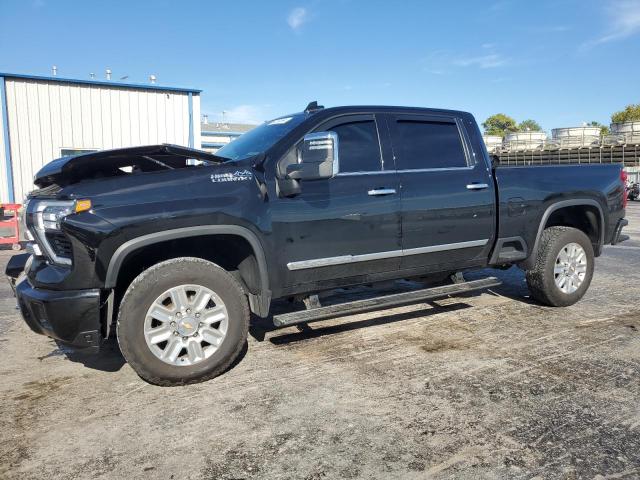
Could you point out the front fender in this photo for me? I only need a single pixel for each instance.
(259, 305)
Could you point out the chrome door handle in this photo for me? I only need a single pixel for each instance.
(477, 186)
(381, 191)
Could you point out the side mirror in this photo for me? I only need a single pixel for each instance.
(317, 157)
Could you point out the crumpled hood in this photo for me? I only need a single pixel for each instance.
(118, 162)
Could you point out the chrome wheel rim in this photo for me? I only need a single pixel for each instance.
(186, 325)
(570, 268)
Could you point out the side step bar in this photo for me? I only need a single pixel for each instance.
(380, 303)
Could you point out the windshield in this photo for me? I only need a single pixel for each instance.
(260, 138)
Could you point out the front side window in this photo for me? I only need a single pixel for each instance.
(429, 144)
(358, 146)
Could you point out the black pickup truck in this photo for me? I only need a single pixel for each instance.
(172, 248)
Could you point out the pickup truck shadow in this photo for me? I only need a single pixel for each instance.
(110, 358)
(514, 284)
(312, 331)
(514, 287)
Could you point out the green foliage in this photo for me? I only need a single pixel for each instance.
(529, 126)
(499, 124)
(630, 114)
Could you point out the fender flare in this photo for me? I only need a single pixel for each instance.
(121, 253)
(562, 204)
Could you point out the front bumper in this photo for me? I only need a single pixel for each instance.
(73, 317)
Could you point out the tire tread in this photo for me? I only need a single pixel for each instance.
(141, 282)
(541, 282)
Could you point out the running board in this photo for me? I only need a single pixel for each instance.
(380, 303)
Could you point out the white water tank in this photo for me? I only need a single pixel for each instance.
(492, 142)
(626, 132)
(519, 141)
(573, 137)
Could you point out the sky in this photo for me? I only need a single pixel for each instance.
(560, 62)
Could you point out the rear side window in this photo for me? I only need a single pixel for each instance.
(429, 144)
(358, 146)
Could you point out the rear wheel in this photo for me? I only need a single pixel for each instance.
(564, 267)
(182, 321)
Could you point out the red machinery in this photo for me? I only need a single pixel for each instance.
(9, 221)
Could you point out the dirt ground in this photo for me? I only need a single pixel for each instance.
(484, 386)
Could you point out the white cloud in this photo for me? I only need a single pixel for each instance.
(245, 114)
(436, 62)
(442, 62)
(297, 17)
(491, 60)
(623, 21)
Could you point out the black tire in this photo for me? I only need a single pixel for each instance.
(541, 278)
(146, 288)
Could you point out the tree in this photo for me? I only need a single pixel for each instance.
(604, 130)
(499, 124)
(631, 113)
(529, 126)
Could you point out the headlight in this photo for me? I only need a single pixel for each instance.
(44, 218)
(50, 214)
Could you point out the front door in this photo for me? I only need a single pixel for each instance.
(448, 199)
(347, 226)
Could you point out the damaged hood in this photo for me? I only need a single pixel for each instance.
(118, 162)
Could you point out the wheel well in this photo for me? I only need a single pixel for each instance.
(231, 252)
(583, 217)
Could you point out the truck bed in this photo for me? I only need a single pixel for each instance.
(525, 194)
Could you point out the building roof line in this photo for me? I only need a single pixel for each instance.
(220, 133)
(102, 83)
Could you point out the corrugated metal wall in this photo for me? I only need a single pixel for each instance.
(48, 116)
(4, 184)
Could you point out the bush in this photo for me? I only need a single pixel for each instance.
(499, 124)
(529, 126)
(630, 114)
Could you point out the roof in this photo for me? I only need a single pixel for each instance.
(101, 83)
(387, 109)
(229, 128)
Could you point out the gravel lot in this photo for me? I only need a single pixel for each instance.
(484, 386)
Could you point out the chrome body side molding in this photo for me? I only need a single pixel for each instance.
(344, 259)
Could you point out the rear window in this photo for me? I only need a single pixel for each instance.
(429, 144)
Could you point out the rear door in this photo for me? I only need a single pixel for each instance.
(447, 197)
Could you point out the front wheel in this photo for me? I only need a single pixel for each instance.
(564, 267)
(182, 321)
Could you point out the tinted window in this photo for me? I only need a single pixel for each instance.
(429, 145)
(358, 146)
